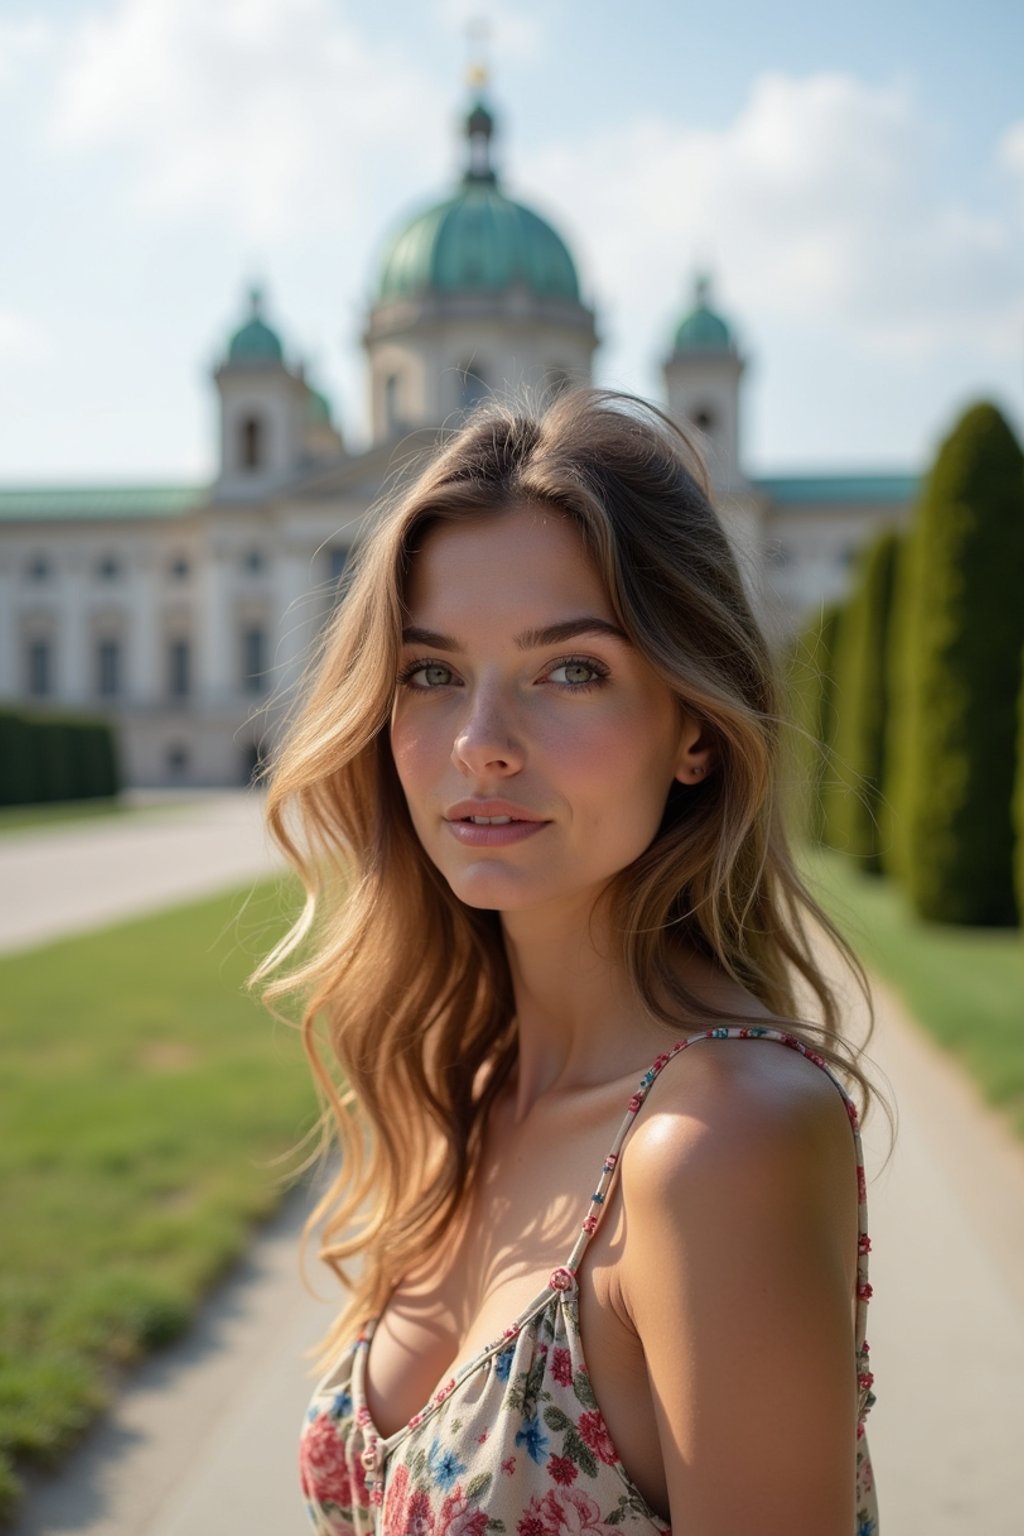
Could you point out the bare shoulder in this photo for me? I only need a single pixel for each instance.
(750, 1127)
(721, 1097)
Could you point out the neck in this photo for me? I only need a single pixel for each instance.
(580, 1021)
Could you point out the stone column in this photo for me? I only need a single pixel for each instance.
(217, 660)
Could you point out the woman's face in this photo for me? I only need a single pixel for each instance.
(536, 747)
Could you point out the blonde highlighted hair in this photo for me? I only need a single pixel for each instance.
(407, 1005)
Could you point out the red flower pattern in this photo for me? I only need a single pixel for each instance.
(322, 1466)
(594, 1431)
(556, 1496)
(561, 1367)
(563, 1470)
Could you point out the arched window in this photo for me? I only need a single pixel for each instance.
(254, 561)
(705, 419)
(176, 761)
(39, 568)
(179, 669)
(40, 668)
(108, 668)
(253, 446)
(180, 568)
(472, 386)
(392, 416)
(108, 568)
(254, 658)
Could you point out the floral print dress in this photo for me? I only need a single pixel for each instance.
(515, 1443)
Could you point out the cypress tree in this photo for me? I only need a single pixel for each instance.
(967, 635)
(811, 691)
(853, 800)
(901, 695)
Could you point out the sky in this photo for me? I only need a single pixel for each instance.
(852, 178)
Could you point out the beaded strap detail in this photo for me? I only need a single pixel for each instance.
(592, 1220)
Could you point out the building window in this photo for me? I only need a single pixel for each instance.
(179, 669)
(704, 419)
(254, 658)
(254, 561)
(109, 568)
(337, 558)
(180, 568)
(176, 760)
(253, 446)
(40, 668)
(39, 568)
(472, 386)
(108, 669)
(391, 402)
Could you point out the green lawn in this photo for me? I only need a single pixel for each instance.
(965, 985)
(144, 1099)
(17, 818)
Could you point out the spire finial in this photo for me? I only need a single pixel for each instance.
(479, 121)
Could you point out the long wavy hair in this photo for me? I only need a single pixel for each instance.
(406, 995)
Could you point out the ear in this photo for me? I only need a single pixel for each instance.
(696, 758)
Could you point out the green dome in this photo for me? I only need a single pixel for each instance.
(255, 342)
(702, 330)
(318, 407)
(478, 241)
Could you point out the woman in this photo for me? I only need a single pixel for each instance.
(538, 760)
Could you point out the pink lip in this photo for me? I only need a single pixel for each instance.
(524, 823)
(490, 808)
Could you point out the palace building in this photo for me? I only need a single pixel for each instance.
(185, 613)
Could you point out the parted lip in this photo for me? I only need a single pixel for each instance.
(466, 808)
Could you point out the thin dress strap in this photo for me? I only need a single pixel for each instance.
(566, 1275)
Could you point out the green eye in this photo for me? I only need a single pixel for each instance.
(577, 674)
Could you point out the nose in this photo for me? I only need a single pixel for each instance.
(486, 740)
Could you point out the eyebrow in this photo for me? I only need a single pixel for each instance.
(529, 640)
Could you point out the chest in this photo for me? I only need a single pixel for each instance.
(530, 1198)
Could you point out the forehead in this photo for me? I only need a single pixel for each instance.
(516, 562)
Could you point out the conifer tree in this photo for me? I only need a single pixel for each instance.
(967, 634)
(853, 798)
(811, 687)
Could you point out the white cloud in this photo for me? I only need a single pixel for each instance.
(22, 41)
(819, 205)
(23, 341)
(270, 114)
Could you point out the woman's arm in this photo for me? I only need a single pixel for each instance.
(740, 1194)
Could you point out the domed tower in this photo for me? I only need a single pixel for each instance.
(273, 423)
(473, 294)
(702, 384)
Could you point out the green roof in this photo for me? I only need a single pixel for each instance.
(838, 490)
(121, 502)
(478, 241)
(255, 342)
(701, 330)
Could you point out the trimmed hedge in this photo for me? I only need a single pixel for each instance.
(966, 640)
(854, 795)
(56, 757)
(810, 685)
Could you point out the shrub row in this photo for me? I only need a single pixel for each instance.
(924, 693)
(55, 757)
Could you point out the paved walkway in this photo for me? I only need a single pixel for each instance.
(68, 878)
(202, 1443)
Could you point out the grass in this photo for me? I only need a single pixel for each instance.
(964, 985)
(145, 1098)
(17, 818)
